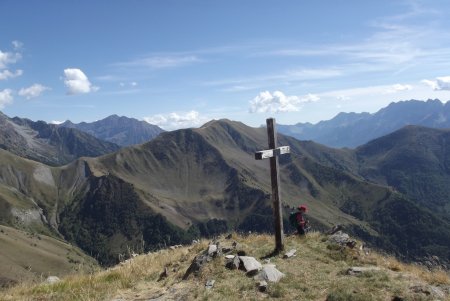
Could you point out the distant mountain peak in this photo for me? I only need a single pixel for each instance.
(120, 130)
(66, 123)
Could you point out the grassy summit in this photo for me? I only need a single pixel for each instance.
(318, 272)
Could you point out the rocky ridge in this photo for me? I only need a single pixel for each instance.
(321, 270)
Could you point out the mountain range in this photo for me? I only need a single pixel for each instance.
(354, 129)
(392, 191)
(121, 130)
(194, 182)
(48, 143)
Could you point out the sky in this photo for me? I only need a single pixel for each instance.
(179, 64)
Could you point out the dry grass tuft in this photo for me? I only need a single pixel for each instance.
(318, 272)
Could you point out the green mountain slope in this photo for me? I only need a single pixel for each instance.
(194, 182)
(415, 161)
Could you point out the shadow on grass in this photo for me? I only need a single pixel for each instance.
(272, 254)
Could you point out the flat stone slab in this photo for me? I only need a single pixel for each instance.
(52, 279)
(270, 273)
(250, 264)
(290, 254)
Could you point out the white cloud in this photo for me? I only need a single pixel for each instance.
(440, 83)
(342, 97)
(128, 84)
(159, 62)
(398, 88)
(238, 88)
(7, 58)
(6, 97)
(277, 102)
(430, 83)
(287, 75)
(77, 82)
(33, 91)
(5, 74)
(178, 120)
(56, 122)
(17, 45)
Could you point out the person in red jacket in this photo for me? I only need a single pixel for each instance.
(301, 221)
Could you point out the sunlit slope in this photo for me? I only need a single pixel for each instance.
(28, 193)
(25, 256)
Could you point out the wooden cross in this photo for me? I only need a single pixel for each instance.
(273, 152)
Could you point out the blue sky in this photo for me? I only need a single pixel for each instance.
(182, 63)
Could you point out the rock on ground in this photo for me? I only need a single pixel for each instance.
(270, 273)
(52, 279)
(250, 264)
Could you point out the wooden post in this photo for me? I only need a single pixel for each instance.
(275, 180)
(273, 152)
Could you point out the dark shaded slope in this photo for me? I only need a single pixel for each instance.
(110, 221)
(415, 161)
(409, 230)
